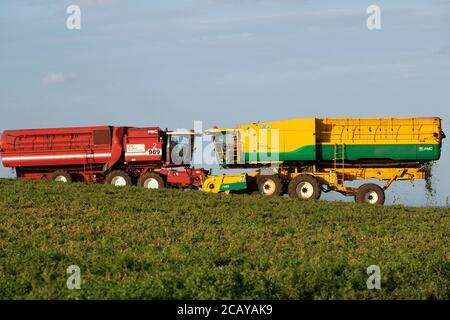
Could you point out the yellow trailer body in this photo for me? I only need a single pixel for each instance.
(330, 139)
(314, 155)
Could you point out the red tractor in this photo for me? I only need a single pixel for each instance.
(147, 157)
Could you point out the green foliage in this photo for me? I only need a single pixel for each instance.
(132, 243)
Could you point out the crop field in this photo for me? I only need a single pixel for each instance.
(131, 243)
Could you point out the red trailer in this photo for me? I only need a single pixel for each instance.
(148, 157)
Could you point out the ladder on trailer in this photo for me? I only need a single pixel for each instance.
(236, 150)
(339, 163)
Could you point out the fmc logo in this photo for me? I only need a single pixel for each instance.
(425, 148)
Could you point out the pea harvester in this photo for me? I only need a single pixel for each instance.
(299, 157)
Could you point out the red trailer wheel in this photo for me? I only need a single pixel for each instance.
(61, 176)
(118, 178)
(151, 181)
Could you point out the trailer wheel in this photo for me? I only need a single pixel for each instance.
(370, 193)
(305, 187)
(269, 185)
(61, 176)
(151, 181)
(118, 178)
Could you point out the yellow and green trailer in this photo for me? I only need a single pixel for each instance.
(306, 156)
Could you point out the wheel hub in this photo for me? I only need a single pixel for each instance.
(151, 183)
(119, 181)
(268, 187)
(371, 197)
(305, 190)
(61, 179)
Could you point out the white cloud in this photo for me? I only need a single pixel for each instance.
(53, 78)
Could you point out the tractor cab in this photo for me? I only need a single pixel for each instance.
(180, 147)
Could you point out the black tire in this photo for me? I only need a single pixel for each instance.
(61, 176)
(252, 186)
(285, 187)
(304, 187)
(151, 180)
(370, 193)
(269, 185)
(118, 178)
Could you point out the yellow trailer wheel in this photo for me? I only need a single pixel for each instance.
(304, 187)
(269, 185)
(370, 193)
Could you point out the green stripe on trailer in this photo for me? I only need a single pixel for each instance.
(233, 186)
(397, 152)
(304, 153)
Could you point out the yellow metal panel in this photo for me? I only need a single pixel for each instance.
(278, 136)
(213, 183)
(379, 130)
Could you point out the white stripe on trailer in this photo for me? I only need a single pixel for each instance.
(149, 152)
(58, 156)
(131, 154)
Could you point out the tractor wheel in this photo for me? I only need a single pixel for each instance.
(118, 178)
(61, 176)
(151, 180)
(304, 187)
(370, 193)
(269, 185)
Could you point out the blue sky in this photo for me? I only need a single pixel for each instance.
(225, 62)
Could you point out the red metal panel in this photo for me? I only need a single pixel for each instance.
(143, 145)
(184, 177)
(54, 146)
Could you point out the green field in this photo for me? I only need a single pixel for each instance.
(132, 243)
